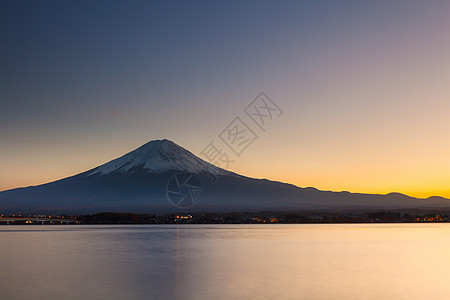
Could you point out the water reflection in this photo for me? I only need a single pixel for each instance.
(406, 261)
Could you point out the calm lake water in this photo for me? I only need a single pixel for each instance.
(373, 261)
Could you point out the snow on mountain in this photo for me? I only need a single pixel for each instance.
(141, 185)
(159, 156)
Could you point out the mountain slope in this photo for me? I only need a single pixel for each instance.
(159, 157)
(142, 181)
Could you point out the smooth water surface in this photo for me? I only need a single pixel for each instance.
(371, 261)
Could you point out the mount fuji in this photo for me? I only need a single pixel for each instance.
(158, 157)
(162, 177)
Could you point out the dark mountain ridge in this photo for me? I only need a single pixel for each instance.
(141, 181)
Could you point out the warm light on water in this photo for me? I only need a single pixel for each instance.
(376, 261)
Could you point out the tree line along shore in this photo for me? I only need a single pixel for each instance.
(268, 217)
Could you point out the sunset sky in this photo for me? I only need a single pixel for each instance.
(364, 87)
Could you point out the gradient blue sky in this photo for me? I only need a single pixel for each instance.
(364, 86)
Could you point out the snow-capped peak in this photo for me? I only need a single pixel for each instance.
(157, 157)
